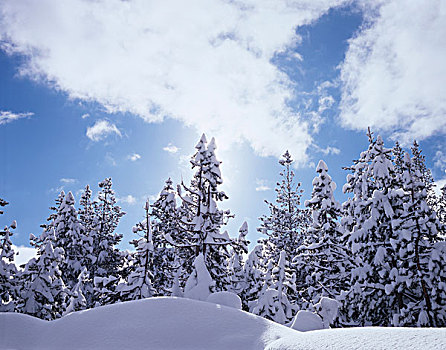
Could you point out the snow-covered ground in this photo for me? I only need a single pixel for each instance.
(178, 323)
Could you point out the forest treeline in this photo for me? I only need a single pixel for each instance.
(381, 254)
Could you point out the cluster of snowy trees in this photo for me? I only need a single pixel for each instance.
(381, 254)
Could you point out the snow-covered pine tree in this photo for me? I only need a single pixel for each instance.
(138, 283)
(165, 224)
(254, 278)
(8, 270)
(419, 163)
(398, 157)
(326, 261)
(77, 300)
(237, 275)
(273, 302)
(200, 219)
(369, 219)
(106, 269)
(419, 277)
(42, 291)
(88, 220)
(71, 237)
(287, 223)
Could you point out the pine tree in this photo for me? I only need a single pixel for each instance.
(43, 292)
(419, 162)
(254, 278)
(369, 221)
(77, 300)
(240, 247)
(71, 237)
(286, 225)
(165, 224)
(419, 274)
(138, 284)
(273, 302)
(326, 262)
(108, 260)
(201, 220)
(8, 270)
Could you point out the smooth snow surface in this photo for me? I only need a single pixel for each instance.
(225, 298)
(177, 323)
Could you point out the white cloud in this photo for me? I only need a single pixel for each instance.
(171, 148)
(207, 63)
(8, 116)
(129, 199)
(440, 160)
(134, 157)
(25, 254)
(261, 185)
(328, 150)
(68, 181)
(393, 76)
(101, 129)
(85, 116)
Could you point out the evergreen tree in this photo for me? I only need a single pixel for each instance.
(419, 274)
(165, 224)
(43, 292)
(326, 262)
(108, 260)
(419, 163)
(71, 237)
(254, 278)
(240, 247)
(273, 302)
(77, 300)
(369, 221)
(201, 220)
(286, 225)
(8, 270)
(138, 284)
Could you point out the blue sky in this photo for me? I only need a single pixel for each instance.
(90, 90)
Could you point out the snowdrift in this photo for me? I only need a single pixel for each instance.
(177, 323)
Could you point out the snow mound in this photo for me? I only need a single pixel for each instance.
(307, 321)
(177, 323)
(154, 323)
(226, 298)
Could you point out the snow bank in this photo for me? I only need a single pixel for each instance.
(226, 298)
(177, 323)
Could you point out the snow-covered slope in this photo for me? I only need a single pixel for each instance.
(176, 323)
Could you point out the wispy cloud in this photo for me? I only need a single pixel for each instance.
(8, 116)
(134, 157)
(101, 129)
(171, 148)
(262, 185)
(68, 180)
(327, 150)
(99, 51)
(85, 116)
(393, 75)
